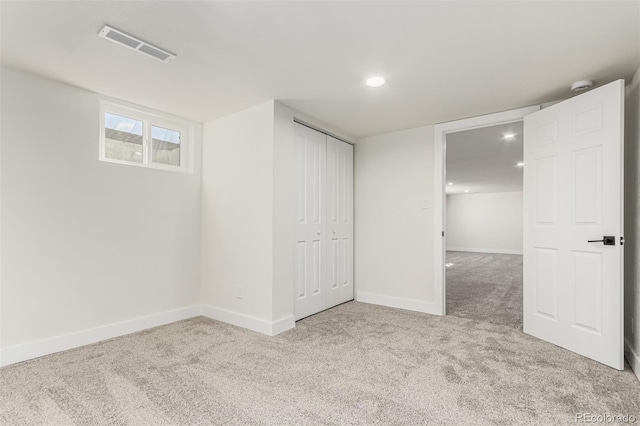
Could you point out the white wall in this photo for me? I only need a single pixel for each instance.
(393, 233)
(632, 217)
(237, 206)
(488, 223)
(85, 243)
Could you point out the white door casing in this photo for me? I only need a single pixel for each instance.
(324, 222)
(573, 289)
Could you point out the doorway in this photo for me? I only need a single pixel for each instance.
(440, 184)
(483, 224)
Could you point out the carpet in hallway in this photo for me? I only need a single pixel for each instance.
(485, 287)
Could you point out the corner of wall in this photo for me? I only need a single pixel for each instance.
(237, 208)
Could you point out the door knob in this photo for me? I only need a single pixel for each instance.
(606, 240)
(334, 231)
(318, 232)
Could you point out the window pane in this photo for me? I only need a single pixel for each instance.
(166, 146)
(123, 138)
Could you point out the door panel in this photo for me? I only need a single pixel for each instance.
(587, 290)
(587, 185)
(573, 193)
(546, 190)
(546, 283)
(310, 184)
(340, 224)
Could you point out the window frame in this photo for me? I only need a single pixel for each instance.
(149, 119)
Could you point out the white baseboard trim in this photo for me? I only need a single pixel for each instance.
(632, 357)
(282, 325)
(63, 342)
(398, 302)
(484, 250)
(246, 321)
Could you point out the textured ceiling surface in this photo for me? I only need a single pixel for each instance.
(442, 60)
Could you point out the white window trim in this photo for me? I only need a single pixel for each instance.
(150, 118)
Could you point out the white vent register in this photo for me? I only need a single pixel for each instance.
(134, 43)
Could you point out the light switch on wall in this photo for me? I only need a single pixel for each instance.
(425, 204)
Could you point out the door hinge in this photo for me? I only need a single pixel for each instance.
(621, 241)
(443, 233)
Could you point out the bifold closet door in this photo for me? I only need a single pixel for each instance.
(339, 221)
(310, 251)
(324, 222)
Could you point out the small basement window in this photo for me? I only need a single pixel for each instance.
(142, 138)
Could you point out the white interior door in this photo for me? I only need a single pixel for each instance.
(339, 221)
(324, 222)
(573, 186)
(310, 251)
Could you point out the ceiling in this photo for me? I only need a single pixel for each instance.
(482, 160)
(442, 60)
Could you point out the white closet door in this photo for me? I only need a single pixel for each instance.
(310, 250)
(339, 222)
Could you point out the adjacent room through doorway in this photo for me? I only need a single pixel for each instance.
(484, 194)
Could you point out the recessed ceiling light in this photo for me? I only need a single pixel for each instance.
(450, 183)
(508, 136)
(519, 164)
(374, 81)
(466, 190)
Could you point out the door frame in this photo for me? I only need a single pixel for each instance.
(439, 192)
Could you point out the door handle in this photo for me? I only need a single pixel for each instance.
(606, 240)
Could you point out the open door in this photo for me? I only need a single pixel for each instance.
(573, 224)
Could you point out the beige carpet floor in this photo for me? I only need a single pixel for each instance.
(354, 364)
(485, 287)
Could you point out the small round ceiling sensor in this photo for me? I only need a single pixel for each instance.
(581, 85)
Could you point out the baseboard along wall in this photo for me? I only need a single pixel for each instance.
(51, 345)
(63, 342)
(246, 321)
(484, 250)
(399, 302)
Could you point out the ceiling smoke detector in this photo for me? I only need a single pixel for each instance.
(131, 42)
(581, 85)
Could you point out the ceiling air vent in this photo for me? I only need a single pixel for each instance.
(131, 42)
